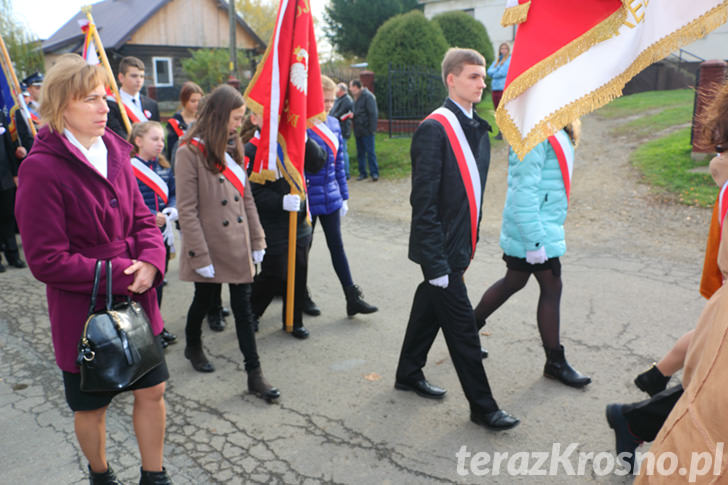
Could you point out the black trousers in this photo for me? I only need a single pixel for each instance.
(7, 224)
(645, 418)
(205, 294)
(271, 281)
(450, 309)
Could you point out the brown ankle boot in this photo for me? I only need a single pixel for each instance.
(258, 385)
(197, 357)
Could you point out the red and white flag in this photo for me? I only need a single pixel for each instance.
(89, 46)
(573, 56)
(286, 91)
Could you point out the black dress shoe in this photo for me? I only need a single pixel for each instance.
(168, 336)
(483, 353)
(300, 332)
(626, 442)
(310, 308)
(216, 321)
(422, 388)
(498, 420)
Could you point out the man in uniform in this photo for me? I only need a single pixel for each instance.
(450, 157)
(138, 107)
(8, 179)
(33, 85)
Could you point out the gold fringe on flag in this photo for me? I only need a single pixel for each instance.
(515, 15)
(695, 30)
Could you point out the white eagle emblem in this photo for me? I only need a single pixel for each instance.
(299, 70)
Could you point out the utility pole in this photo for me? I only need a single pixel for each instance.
(232, 80)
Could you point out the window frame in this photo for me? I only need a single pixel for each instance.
(168, 60)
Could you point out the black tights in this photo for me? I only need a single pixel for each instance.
(547, 314)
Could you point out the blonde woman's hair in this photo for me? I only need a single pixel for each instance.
(141, 129)
(327, 84)
(573, 129)
(70, 79)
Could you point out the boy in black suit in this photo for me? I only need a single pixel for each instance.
(139, 108)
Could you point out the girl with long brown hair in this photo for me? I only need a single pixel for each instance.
(222, 237)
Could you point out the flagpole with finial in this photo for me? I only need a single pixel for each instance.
(105, 62)
(15, 88)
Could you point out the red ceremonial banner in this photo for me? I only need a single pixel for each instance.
(286, 91)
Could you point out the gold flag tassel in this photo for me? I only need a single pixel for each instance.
(515, 15)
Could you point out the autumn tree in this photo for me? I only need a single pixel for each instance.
(23, 47)
(260, 15)
(351, 24)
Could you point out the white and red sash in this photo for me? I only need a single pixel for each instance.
(328, 136)
(723, 205)
(564, 150)
(254, 141)
(466, 164)
(150, 178)
(174, 123)
(233, 172)
(133, 115)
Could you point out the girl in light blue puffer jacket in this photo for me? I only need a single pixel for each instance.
(532, 239)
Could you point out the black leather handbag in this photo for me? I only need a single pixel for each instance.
(117, 346)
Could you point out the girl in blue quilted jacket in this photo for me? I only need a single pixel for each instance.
(156, 183)
(532, 239)
(328, 194)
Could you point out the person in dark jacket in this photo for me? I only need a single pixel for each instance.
(446, 199)
(343, 110)
(139, 108)
(274, 202)
(8, 174)
(190, 95)
(328, 195)
(33, 85)
(365, 126)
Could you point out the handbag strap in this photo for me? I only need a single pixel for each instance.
(95, 290)
(109, 293)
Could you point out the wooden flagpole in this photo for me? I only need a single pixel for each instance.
(15, 88)
(107, 66)
(291, 275)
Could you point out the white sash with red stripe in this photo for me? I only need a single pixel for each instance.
(149, 177)
(564, 150)
(134, 115)
(723, 204)
(466, 164)
(233, 172)
(328, 136)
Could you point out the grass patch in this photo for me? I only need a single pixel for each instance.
(665, 163)
(635, 104)
(648, 125)
(392, 156)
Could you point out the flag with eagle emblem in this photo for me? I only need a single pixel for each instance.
(286, 92)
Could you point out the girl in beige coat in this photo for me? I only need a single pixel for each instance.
(222, 237)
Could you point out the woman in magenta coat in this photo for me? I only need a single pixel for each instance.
(78, 202)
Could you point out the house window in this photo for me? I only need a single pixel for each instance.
(163, 71)
(470, 11)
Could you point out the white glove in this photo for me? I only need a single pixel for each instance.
(168, 232)
(291, 203)
(258, 256)
(171, 214)
(344, 208)
(440, 281)
(536, 257)
(206, 272)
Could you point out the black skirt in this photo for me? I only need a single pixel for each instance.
(79, 400)
(520, 264)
